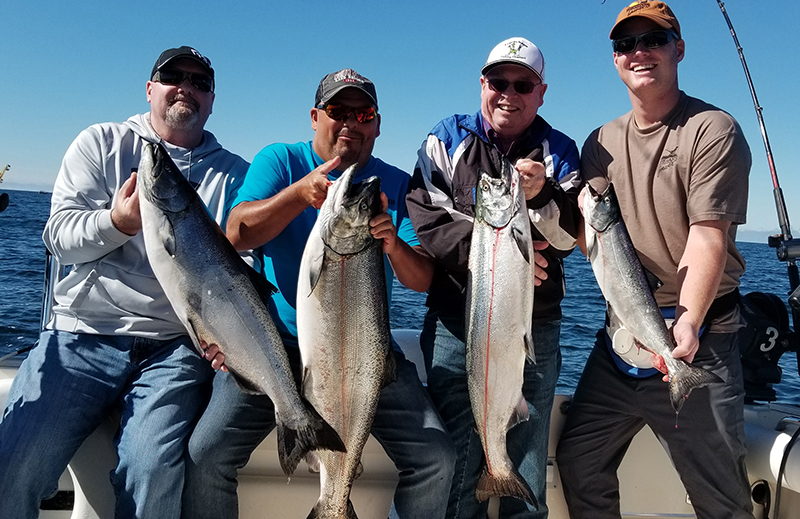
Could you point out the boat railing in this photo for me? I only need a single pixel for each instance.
(54, 272)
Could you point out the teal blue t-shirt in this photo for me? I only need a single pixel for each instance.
(274, 169)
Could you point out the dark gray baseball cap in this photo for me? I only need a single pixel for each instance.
(335, 82)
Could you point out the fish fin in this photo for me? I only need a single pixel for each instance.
(390, 369)
(263, 287)
(529, 352)
(359, 470)
(653, 281)
(684, 380)
(523, 245)
(641, 345)
(612, 315)
(293, 444)
(320, 510)
(167, 236)
(520, 414)
(244, 385)
(316, 255)
(511, 486)
(313, 462)
(192, 330)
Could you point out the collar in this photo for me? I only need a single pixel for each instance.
(530, 138)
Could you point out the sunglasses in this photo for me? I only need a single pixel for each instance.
(343, 113)
(520, 87)
(200, 81)
(651, 40)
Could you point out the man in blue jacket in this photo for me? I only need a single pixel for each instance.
(441, 205)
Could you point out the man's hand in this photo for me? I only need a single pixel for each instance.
(581, 195)
(687, 344)
(213, 354)
(125, 213)
(313, 188)
(540, 263)
(686, 338)
(532, 176)
(382, 227)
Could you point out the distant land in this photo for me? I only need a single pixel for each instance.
(749, 236)
(744, 234)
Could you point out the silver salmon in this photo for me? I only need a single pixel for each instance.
(212, 291)
(499, 320)
(343, 331)
(628, 291)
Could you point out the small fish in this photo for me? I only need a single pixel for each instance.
(628, 293)
(213, 292)
(499, 323)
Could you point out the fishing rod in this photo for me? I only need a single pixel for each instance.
(787, 248)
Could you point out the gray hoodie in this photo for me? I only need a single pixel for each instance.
(111, 288)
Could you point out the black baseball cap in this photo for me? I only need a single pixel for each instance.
(182, 52)
(335, 82)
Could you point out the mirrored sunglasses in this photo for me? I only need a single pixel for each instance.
(342, 113)
(651, 40)
(520, 87)
(200, 81)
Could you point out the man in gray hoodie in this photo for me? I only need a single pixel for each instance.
(113, 341)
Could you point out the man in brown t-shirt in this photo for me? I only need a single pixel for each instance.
(680, 170)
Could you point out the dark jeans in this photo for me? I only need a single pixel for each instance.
(406, 425)
(707, 446)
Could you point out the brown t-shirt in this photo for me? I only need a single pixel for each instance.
(690, 168)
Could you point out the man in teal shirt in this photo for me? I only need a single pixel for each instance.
(274, 213)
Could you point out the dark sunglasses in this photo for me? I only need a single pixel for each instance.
(651, 40)
(343, 113)
(200, 81)
(520, 87)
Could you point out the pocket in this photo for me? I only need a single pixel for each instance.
(464, 199)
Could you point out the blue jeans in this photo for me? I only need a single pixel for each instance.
(65, 388)
(443, 347)
(234, 423)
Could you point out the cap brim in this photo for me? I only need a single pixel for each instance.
(660, 21)
(489, 66)
(330, 95)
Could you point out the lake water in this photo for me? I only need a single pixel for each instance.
(22, 273)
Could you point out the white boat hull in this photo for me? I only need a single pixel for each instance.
(649, 486)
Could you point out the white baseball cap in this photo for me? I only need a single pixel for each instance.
(519, 51)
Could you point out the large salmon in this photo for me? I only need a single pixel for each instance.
(628, 291)
(212, 291)
(499, 315)
(343, 330)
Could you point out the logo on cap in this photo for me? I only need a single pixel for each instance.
(349, 75)
(200, 56)
(515, 46)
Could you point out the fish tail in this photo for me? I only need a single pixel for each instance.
(687, 378)
(293, 444)
(511, 485)
(320, 511)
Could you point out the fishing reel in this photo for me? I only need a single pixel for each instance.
(764, 339)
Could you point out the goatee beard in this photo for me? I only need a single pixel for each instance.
(181, 118)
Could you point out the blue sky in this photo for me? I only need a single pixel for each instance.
(66, 65)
